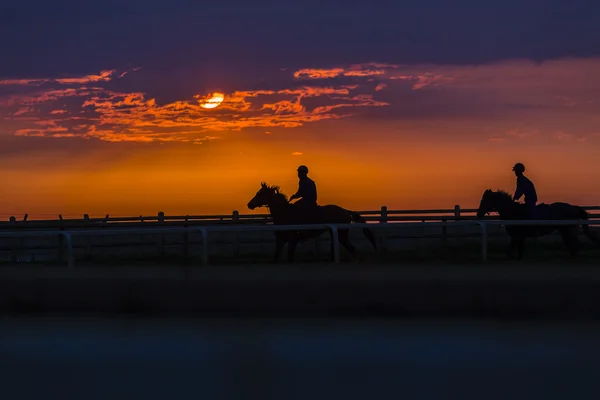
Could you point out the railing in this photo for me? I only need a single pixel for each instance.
(333, 228)
(382, 215)
(65, 234)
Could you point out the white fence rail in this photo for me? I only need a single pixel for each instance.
(382, 215)
(333, 228)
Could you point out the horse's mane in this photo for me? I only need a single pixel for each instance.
(503, 193)
(275, 188)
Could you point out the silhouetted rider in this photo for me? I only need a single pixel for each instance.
(525, 187)
(307, 191)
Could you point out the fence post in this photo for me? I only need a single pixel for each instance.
(383, 219)
(484, 241)
(61, 240)
(161, 237)
(384, 215)
(204, 235)
(335, 244)
(235, 219)
(457, 212)
(22, 241)
(88, 239)
(444, 231)
(186, 238)
(13, 247)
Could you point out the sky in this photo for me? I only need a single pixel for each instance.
(404, 104)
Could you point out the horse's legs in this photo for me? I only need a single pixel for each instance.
(343, 239)
(569, 237)
(331, 246)
(293, 241)
(279, 242)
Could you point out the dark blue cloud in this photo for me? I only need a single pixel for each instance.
(213, 39)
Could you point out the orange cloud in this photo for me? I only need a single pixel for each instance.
(285, 107)
(421, 81)
(378, 71)
(120, 116)
(565, 136)
(362, 100)
(357, 70)
(297, 153)
(522, 133)
(104, 76)
(314, 73)
(560, 95)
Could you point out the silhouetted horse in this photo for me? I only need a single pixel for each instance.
(503, 203)
(284, 213)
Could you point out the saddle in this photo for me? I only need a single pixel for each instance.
(542, 210)
(308, 214)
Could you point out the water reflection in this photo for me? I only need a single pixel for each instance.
(113, 359)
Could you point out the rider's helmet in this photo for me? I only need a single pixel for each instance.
(303, 169)
(519, 167)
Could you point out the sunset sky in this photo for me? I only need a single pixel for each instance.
(409, 105)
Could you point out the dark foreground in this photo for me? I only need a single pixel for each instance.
(87, 358)
(498, 291)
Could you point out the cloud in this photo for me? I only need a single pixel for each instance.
(380, 86)
(297, 153)
(569, 137)
(103, 76)
(358, 70)
(111, 115)
(422, 81)
(420, 77)
(314, 73)
(360, 100)
(522, 133)
(504, 101)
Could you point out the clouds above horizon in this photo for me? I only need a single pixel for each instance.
(558, 99)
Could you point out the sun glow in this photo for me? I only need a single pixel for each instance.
(212, 101)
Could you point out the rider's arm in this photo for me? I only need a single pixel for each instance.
(518, 192)
(297, 194)
(301, 191)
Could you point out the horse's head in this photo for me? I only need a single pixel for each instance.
(485, 205)
(265, 196)
(493, 201)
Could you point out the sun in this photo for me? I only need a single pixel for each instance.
(212, 101)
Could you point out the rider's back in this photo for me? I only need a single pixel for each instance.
(527, 187)
(308, 190)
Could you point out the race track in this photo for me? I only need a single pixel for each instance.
(505, 290)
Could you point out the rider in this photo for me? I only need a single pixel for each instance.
(525, 187)
(307, 191)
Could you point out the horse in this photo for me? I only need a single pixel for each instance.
(285, 213)
(508, 209)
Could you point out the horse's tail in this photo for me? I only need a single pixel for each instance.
(356, 217)
(586, 228)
